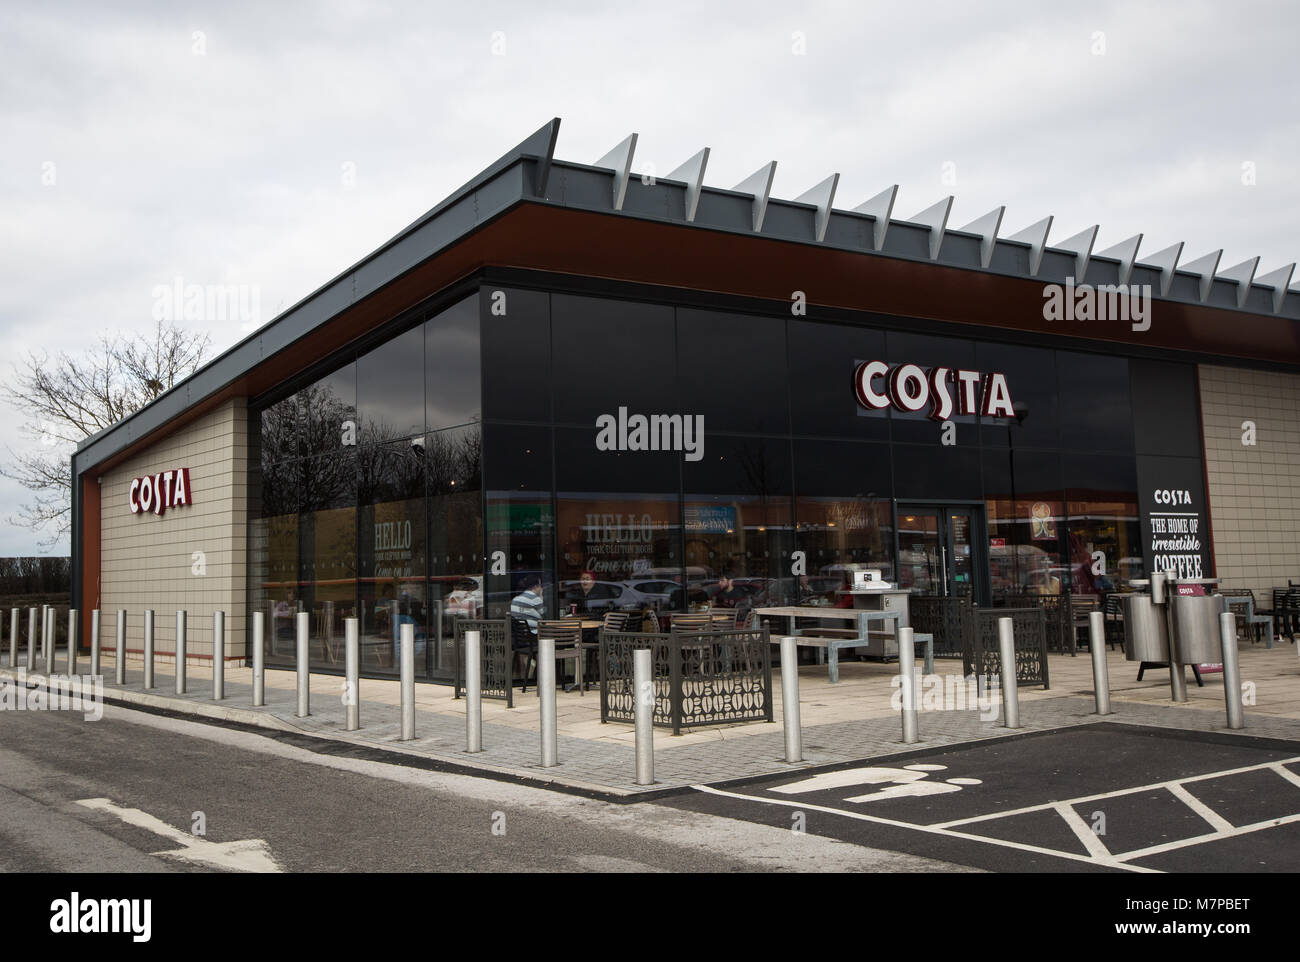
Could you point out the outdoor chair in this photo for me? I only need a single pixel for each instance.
(523, 642)
(567, 636)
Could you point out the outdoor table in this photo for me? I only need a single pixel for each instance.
(860, 616)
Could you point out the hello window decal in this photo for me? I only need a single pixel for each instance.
(158, 492)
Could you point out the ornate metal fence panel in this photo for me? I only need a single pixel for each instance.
(950, 620)
(1030, 628)
(498, 658)
(700, 678)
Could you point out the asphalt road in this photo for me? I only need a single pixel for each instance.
(121, 795)
(1101, 798)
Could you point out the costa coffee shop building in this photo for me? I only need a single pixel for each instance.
(568, 367)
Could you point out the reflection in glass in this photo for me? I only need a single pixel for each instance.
(454, 463)
(392, 552)
(390, 388)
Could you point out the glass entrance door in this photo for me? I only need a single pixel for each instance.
(938, 550)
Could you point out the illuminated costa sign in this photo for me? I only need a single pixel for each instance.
(909, 387)
(158, 492)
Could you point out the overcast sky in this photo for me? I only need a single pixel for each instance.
(272, 145)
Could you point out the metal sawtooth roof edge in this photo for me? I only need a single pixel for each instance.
(530, 172)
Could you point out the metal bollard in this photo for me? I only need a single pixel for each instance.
(1231, 674)
(907, 676)
(218, 655)
(182, 623)
(13, 638)
(119, 668)
(148, 648)
(259, 659)
(473, 692)
(31, 639)
(644, 714)
(95, 655)
(790, 701)
(47, 639)
(303, 622)
(352, 672)
(1010, 697)
(1100, 676)
(73, 635)
(407, 636)
(546, 696)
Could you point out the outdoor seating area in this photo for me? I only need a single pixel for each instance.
(710, 667)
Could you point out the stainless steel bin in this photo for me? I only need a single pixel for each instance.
(1145, 636)
(1196, 628)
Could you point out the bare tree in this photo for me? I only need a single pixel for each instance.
(65, 399)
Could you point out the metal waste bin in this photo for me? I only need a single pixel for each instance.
(1196, 628)
(1145, 636)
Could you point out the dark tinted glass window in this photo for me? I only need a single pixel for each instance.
(327, 412)
(515, 327)
(1031, 378)
(280, 431)
(1096, 408)
(390, 388)
(838, 469)
(732, 369)
(451, 347)
(610, 354)
(937, 471)
(579, 466)
(517, 458)
(1165, 408)
(822, 358)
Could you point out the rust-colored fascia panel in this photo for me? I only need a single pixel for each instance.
(562, 240)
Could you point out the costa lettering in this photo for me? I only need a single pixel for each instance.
(909, 387)
(158, 492)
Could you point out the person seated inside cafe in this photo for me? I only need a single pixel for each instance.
(728, 594)
(529, 607)
(584, 595)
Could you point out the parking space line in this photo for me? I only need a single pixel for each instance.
(1109, 860)
(1211, 837)
(1217, 821)
(1083, 831)
(1101, 796)
(1286, 773)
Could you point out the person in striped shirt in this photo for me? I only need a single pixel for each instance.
(530, 608)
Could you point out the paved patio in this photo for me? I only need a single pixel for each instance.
(843, 722)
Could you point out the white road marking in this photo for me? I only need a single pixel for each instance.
(1217, 821)
(1101, 796)
(908, 790)
(1209, 837)
(1083, 831)
(760, 846)
(1286, 773)
(245, 855)
(871, 775)
(927, 829)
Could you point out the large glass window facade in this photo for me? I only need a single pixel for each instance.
(366, 499)
(632, 454)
